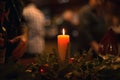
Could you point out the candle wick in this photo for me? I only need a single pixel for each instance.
(63, 33)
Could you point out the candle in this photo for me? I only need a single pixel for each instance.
(63, 41)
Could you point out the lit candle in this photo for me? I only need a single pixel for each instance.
(63, 41)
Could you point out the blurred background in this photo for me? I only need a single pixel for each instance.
(54, 9)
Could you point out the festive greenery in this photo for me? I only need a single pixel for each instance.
(79, 67)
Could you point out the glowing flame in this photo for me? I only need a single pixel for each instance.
(63, 31)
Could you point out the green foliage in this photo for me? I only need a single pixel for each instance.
(79, 67)
(82, 67)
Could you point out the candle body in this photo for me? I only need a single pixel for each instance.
(63, 42)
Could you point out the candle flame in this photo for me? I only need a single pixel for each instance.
(63, 31)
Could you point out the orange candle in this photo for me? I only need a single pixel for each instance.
(63, 41)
